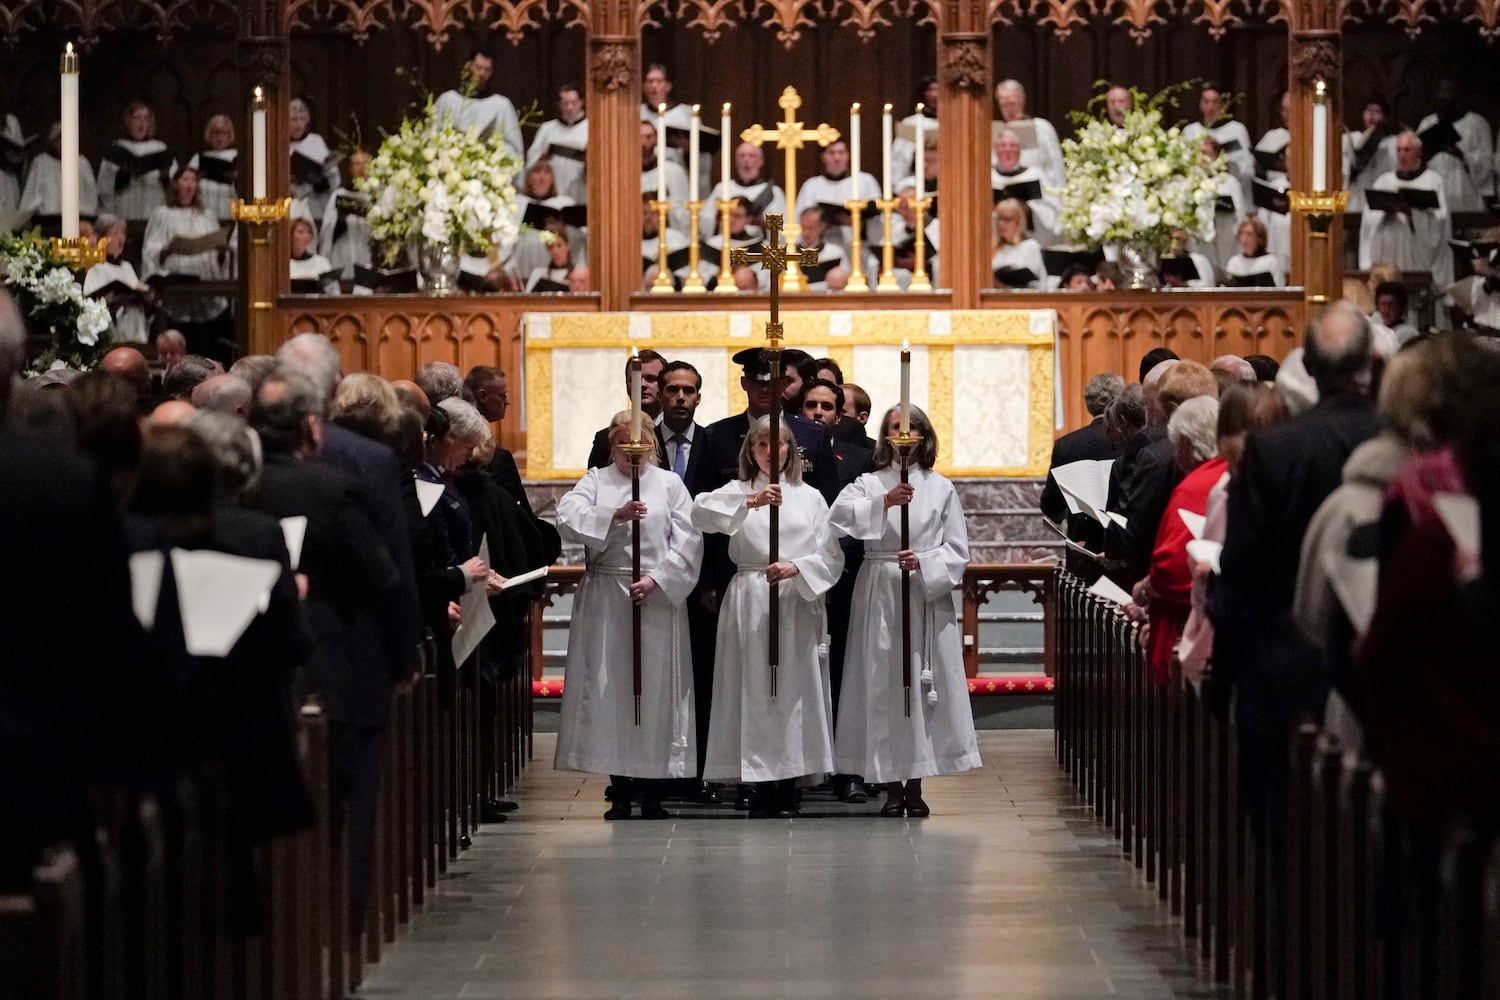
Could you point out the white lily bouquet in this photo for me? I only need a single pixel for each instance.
(1136, 184)
(52, 302)
(436, 184)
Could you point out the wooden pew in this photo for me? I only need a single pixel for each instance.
(42, 952)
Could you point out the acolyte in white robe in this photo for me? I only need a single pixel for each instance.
(752, 736)
(875, 737)
(494, 113)
(1465, 181)
(131, 324)
(144, 194)
(215, 195)
(598, 733)
(571, 175)
(43, 192)
(1415, 243)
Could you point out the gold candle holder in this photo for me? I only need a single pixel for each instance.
(1320, 208)
(79, 253)
(857, 281)
(663, 283)
(919, 279)
(887, 281)
(260, 211)
(726, 266)
(694, 283)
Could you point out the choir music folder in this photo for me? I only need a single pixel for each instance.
(121, 291)
(1401, 200)
(1179, 267)
(13, 154)
(1224, 205)
(1440, 137)
(548, 285)
(391, 281)
(929, 132)
(212, 168)
(537, 215)
(1020, 190)
(1466, 252)
(1229, 146)
(1268, 197)
(838, 215)
(1059, 258)
(351, 204)
(566, 152)
(206, 243)
(468, 281)
(708, 138)
(1015, 277)
(1260, 279)
(306, 170)
(1270, 161)
(314, 286)
(128, 166)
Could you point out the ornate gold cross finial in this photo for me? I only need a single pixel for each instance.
(776, 261)
(790, 136)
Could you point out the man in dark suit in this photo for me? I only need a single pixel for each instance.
(489, 390)
(652, 365)
(1090, 442)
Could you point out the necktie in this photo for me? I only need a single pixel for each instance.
(679, 454)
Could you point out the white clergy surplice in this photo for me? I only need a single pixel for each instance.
(1381, 158)
(1418, 242)
(598, 733)
(563, 146)
(821, 189)
(133, 196)
(314, 148)
(169, 221)
(1234, 141)
(215, 195)
(1024, 256)
(677, 191)
(1466, 177)
(875, 737)
(752, 736)
(1044, 210)
(131, 324)
(43, 192)
(679, 119)
(1240, 266)
(344, 237)
(10, 183)
(494, 113)
(764, 197)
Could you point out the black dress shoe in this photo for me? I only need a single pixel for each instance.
(744, 798)
(503, 805)
(653, 810)
(494, 810)
(704, 794)
(619, 810)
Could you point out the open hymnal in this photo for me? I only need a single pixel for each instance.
(206, 243)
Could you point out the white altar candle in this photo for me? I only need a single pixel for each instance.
(693, 155)
(661, 153)
(905, 387)
(854, 152)
(70, 144)
(635, 395)
(1320, 138)
(258, 145)
(726, 152)
(885, 154)
(921, 159)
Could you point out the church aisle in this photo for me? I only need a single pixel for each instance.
(1009, 890)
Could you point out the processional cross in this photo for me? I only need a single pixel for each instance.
(790, 136)
(773, 257)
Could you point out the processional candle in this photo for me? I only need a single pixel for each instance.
(905, 387)
(70, 143)
(258, 145)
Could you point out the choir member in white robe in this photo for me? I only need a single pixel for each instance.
(1232, 136)
(131, 323)
(1182, 247)
(134, 170)
(875, 736)
(344, 237)
(904, 149)
(216, 179)
(833, 187)
(1483, 305)
(677, 242)
(676, 179)
(1254, 258)
(539, 187)
(753, 737)
(1009, 171)
(1369, 153)
(1013, 251)
(306, 263)
(598, 733)
(656, 90)
(471, 107)
(1412, 242)
(187, 217)
(1046, 154)
(747, 180)
(1465, 167)
(903, 239)
(559, 266)
(315, 172)
(1278, 224)
(742, 236)
(833, 260)
(563, 143)
(12, 169)
(42, 195)
(1229, 208)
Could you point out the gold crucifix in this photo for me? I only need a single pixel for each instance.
(790, 136)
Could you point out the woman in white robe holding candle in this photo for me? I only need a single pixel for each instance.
(598, 731)
(752, 736)
(876, 738)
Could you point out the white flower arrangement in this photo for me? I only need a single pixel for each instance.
(52, 301)
(444, 186)
(1137, 183)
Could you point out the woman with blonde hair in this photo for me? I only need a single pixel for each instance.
(1015, 256)
(1254, 264)
(366, 404)
(598, 732)
(753, 734)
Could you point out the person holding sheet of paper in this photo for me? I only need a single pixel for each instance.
(598, 732)
(184, 241)
(1090, 443)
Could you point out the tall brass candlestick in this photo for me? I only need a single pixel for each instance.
(663, 283)
(857, 282)
(919, 279)
(887, 281)
(694, 283)
(726, 268)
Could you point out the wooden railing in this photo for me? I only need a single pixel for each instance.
(1370, 907)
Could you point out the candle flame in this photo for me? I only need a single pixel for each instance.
(695, 110)
(661, 109)
(634, 354)
(726, 107)
(888, 108)
(855, 109)
(69, 49)
(260, 95)
(921, 107)
(1321, 87)
(905, 344)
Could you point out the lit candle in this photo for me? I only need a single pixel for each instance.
(635, 396)
(854, 152)
(1320, 137)
(905, 387)
(726, 152)
(693, 155)
(70, 143)
(258, 145)
(921, 158)
(661, 152)
(885, 154)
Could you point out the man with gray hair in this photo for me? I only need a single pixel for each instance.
(440, 381)
(1286, 472)
(1231, 368)
(1088, 443)
(314, 356)
(1039, 145)
(227, 394)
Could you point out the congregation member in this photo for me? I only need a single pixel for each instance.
(1369, 152)
(41, 198)
(656, 90)
(1254, 264)
(1044, 153)
(115, 279)
(877, 738)
(1089, 443)
(1412, 237)
(599, 732)
(344, 233)
(1016, 259)
(1010, 178)
(1231, 135)
(472, 106)
(135, 169)
(314, 171)
(754, 737)
(1458, 145)
(748, 182)
(217, 165)
(185, 242)
(562, 143)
